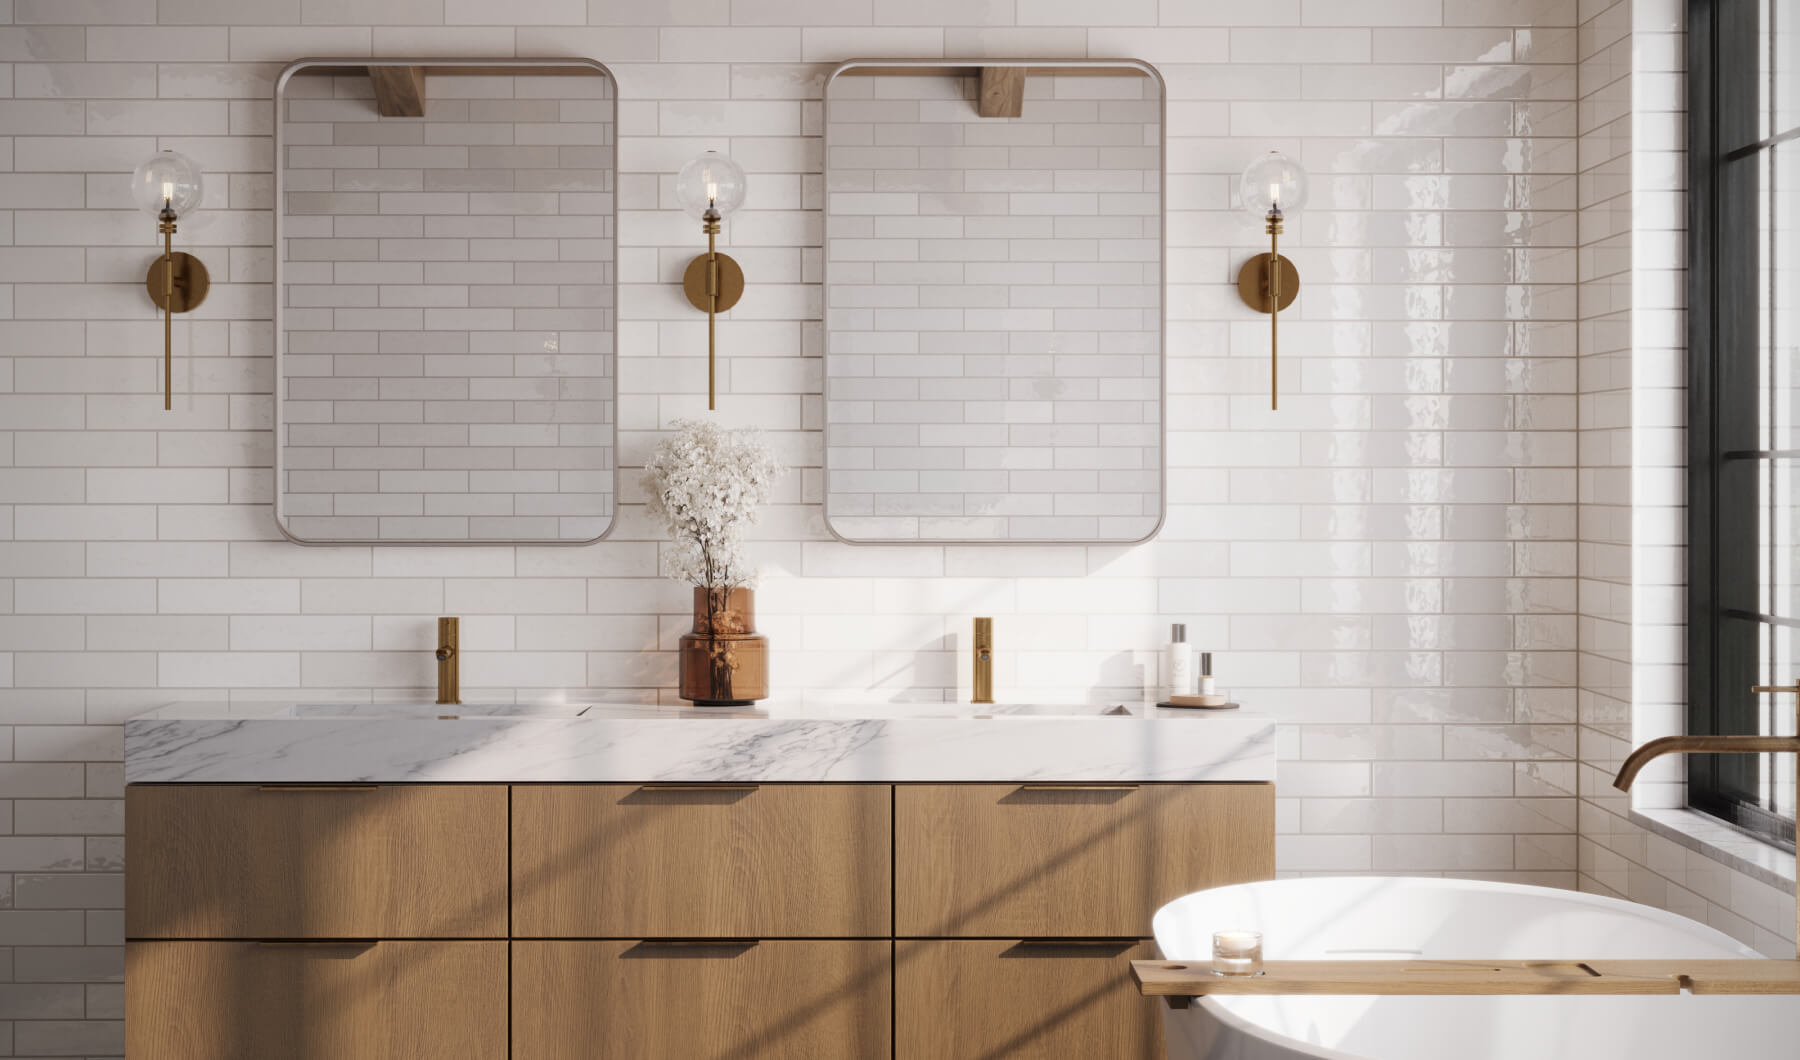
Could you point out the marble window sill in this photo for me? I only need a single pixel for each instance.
(1714, 838)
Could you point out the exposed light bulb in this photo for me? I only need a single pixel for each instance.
(1275, 195)
(712, 191)
(168, 190)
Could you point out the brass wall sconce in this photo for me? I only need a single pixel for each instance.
(167, 187)
(1272, 186)
(710, 188)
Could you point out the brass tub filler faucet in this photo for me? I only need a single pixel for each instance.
(1668, 745)
(1177, 982)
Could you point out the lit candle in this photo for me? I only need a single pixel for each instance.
(1237, 953)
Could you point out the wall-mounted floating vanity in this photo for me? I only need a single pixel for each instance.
(576, 881)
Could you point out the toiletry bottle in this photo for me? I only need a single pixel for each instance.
(1178, 662)
(1206, 675)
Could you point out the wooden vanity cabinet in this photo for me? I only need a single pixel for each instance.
(1069, 860)
(706, 861)
(1038, 999)
(790, 999)
(1017, 907)
(793, 921)
(315, 1001)
(231, 861)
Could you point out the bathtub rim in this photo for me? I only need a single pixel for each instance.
(1233, 1022)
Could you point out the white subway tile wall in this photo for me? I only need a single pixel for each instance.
(993, 309)
(1633, 530)
(1389, 565)
(447, 296)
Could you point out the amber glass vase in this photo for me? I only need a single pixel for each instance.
(724, 661)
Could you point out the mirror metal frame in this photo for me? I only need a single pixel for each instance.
(952, 67)
(467, 67)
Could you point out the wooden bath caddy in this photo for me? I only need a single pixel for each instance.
(1180, 980)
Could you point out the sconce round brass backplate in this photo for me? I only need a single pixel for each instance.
(731, 283)
(191, 283)
(1253, 283)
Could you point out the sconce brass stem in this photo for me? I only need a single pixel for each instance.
(168, 233)
(714, 283)
(176, 283)
(712, 312)
(1274, 310)
(1268, 283)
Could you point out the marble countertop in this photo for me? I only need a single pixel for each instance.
(261, 743)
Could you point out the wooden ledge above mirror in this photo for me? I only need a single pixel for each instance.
(1002, 90)
(400, 84)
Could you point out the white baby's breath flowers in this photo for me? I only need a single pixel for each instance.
(705, 483)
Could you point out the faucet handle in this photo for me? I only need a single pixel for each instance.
(1794, 688)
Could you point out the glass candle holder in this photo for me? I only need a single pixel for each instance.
(1237, 953)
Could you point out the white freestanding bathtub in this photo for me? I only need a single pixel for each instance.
(1377, 918)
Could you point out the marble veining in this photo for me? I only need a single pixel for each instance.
(633, 743)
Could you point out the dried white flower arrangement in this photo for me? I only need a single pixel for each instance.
(705, 483)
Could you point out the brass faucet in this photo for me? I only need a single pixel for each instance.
(984, 661)
(1636, 761)
(448, 659)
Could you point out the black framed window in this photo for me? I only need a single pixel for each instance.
(1743, 400)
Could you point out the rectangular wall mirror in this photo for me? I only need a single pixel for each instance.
(994, 301)
(445, 293)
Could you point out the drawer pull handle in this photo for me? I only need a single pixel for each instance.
(1079, 787)
(698, 787)
(318, 787)
(342, 944)
(1109, 942)
(717, 944)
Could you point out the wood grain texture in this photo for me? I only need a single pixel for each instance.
(1006, 861)
(229, 861)
(1194, 978)
(794, 1000)
(1002, 92)
(244, 1000)
(978, 999)
(1715, 976)
(624, 861)
(399, 90)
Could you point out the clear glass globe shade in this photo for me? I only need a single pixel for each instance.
(168, 178)
(1273, 180)
(712, 179)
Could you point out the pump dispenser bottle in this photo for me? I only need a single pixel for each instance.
(1178, 662)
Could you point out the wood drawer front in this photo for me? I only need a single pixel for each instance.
(398, 861)
(630, 861)
(980, 999)
(388, 1001)
(794, 1000)
(1015, 861)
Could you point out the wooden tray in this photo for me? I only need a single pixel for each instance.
(1184, 979)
